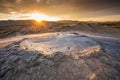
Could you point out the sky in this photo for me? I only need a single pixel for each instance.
(83, 10)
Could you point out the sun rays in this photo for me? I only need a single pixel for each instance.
(39, 17)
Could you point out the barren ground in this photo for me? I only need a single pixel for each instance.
(72, 51)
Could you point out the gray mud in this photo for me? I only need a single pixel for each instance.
(23, 64)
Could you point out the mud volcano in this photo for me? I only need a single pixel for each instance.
(61, 56)
(65, 43)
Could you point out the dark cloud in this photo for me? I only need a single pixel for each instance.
(72, 8)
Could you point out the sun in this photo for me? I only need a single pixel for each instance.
(41, 17)
(37, 17)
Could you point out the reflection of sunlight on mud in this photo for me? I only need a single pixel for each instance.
(66, 43)
(86, 52)
(90, 50)
(93, 75)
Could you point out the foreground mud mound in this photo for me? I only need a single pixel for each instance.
(25, 60)
(60, 42)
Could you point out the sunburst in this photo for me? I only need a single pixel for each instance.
(39, 17)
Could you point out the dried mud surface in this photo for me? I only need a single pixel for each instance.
(18, 64)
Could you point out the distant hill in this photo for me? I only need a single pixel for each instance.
(21, 27)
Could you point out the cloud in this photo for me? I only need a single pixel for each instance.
(72, 8)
